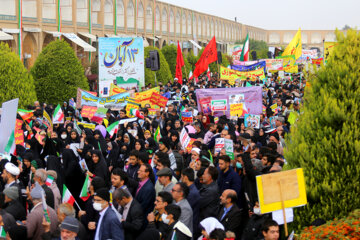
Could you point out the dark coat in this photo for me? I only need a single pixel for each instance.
(146, 197)
(209, 201)
(193, 199)
(49, 196)
(229, 180)
(15, 208)
(134, 221)
(232, 221)
(111, 227)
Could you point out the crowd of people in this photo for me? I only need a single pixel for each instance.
(144, 186)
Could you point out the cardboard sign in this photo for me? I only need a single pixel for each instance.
(219, 105)
(286, 186)
(252, 121)
(159, 100)
(88, 111)
(237, 109)
(205, 104)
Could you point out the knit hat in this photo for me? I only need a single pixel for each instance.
(34, 164)
(12, 193)
(70, 224)
(12, 169)
(36, 191)
(103, 193)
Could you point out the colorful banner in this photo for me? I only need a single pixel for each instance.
(129, 106)
(232, 75)
(205, 105)
(159, 100)
(120, 58)
(87, 125)
(291, 69)
(274, 64)
(258, 65)
(328, 49)
(18, 124)
(288, 60)
(311, 54)
(115, 89)
(19, 137)
(244, 63)
(317, 61)
(145, 96)
(117, 101)
(88, 111)
(252, 98)
(235, 51)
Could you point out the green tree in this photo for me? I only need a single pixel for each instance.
(15, 80)
(192, 59)
(325, 141)
(58, 73)
(260, 47)
(170, 53)
(163, 75)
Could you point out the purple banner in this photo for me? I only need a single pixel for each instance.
(252, 98)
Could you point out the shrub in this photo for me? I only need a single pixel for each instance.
(15, 80)
(345, 228)
(325, 142)
(163, 75)
(58, 73)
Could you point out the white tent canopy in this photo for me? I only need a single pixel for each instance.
(78, 41)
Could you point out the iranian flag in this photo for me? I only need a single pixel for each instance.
(208, 74)
(157, 134)
(58, 116)
(84, 194)
(49, 180)
(191, 75)
(135, 112)
(25, 114)
(67, 196)
(2, 232)
(11, 144)
(113, 128)
(245, 50)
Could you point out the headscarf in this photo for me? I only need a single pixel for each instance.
(210, 224)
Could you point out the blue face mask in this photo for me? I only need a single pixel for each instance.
(238, 165)
(226, 128)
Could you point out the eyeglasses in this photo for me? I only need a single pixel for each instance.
(173, 190)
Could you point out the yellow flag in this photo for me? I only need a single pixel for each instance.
(295, 46)
(115, 90)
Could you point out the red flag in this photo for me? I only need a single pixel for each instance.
(179, 64)
(208, 56)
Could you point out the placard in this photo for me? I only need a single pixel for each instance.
(219, 105)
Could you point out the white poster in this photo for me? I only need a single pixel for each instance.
(8, 120)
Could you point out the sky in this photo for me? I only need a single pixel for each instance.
(281, 14)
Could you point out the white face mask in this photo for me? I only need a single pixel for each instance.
(164, 218)
(63, 136)
(97, 206)
(256, 211)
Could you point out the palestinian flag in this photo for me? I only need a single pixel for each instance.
(67, 196)
(25, 114)
(49, 180)
(11, 144)
(113, 128)
(58, 116)
(157, 133)
(84, 194)
(135, 112)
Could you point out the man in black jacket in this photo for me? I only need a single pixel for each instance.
(132, 213)
(230, 215)
(14, 207)
(209, 194)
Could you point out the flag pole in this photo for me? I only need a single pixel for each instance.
(20, 29)
(78, 205)
(115, 19)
